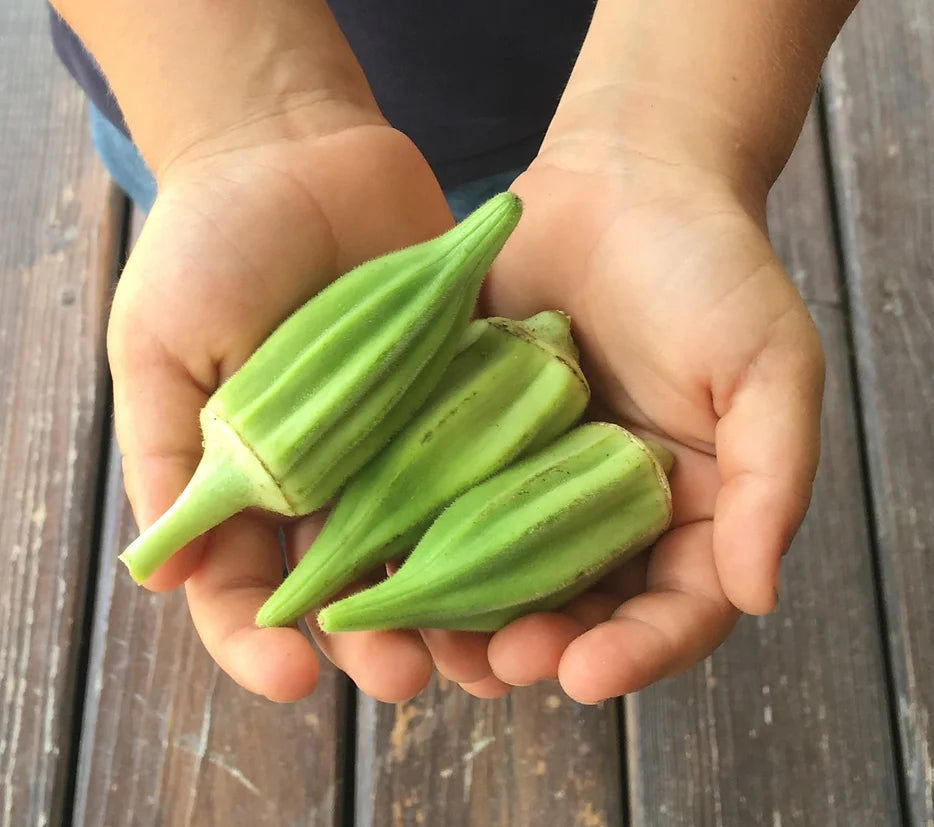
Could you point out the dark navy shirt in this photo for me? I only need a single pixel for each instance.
(474, 84)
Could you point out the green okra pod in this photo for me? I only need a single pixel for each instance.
(527, 539)
(511, 389)
(332, 383)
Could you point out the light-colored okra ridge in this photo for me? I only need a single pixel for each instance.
(311, 333)
(422, 433)
(229, 478)
(592, 572)
(370, 364)
(447, 306)
(422, 350)
(524, 440)
(365, 433)
(448, 280)
(424, 427)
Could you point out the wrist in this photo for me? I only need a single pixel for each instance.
(283, 95)
(196, 73)
(286, 121)
(602, 127)
(724, 84)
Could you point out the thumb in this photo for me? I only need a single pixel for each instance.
(157, 400)
(768, 446)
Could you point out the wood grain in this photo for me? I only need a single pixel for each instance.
(880, 89)
(58, 241)
(447, 758)
(788, 723)
(168, 739)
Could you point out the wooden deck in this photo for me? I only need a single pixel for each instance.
(111, 713)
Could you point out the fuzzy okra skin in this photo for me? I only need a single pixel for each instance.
(527, 539)
(332, 384)
(512, 388)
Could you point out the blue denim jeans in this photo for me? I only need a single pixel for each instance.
(122, 160)
(126, 166)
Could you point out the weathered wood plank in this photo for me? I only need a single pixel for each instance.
(448, 759)
(59, 224)
(880, 88)
(168, 739)
(788, 723)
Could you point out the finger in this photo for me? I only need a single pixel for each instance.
(768, 445)
(681, 619)
(487, 689)
(300, 534)
(529, 649)
(617, 586)
(241, 566)
(390, 666)
(460, 657)
(598, 604)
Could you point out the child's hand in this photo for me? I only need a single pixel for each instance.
(691, 332)
(236, 241)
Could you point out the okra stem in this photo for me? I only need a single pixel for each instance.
(225, 482)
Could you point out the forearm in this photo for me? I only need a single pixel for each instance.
(725, 83)
(185, 71)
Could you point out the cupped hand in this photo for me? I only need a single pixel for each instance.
(241, 234)
(691, 332)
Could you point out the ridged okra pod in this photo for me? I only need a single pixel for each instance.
(527, 539)
(332, 383)
(511, 389)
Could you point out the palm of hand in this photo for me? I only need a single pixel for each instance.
(686, 324)
(691, 332)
